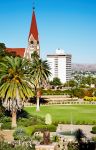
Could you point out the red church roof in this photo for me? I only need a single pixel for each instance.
(17, 51)
(33, 28)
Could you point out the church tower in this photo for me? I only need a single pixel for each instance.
(33, 38)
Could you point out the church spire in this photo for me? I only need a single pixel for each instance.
(33, 38)
(33, 27)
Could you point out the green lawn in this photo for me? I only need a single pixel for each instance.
(66, 113)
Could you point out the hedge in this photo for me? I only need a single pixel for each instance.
(35, 128)
(90, 99)
(94, 129)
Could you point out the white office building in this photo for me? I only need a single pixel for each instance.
(60, 64)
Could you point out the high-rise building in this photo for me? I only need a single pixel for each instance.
(60, 64)
(33, 41)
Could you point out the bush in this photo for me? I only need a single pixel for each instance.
(72, 146)
(6, 146)
(90, 99)
(55, 138)
(33, 120)
(6, 119)
(6, 125)
(56, 92)
(32, 129)
(20, 134)
(1, 111)
(94, 130)
(94, 139)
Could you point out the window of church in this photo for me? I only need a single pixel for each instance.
(32, 42)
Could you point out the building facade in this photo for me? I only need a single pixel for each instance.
(60, 64)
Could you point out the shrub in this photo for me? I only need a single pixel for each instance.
(6, 125)
(6, 119)
(33, 120)
(94, 129)
(55, 138)
(6, 146)
(32, 129)
(90, 99)
(94, 139)
(72, 146)
(37, 136)
(1, 111)
(20, 134)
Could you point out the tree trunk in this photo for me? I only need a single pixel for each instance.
(38, 106)
(38, 100)
(14, 124)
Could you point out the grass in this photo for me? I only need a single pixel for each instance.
(80, 114)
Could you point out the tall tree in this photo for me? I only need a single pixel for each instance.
(15, 86)
(40, 72)
(56, 81)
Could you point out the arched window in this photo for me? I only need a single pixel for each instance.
(32, 42)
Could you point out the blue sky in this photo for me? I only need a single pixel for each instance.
(66, 24)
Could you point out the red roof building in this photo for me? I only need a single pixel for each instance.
(18, 51)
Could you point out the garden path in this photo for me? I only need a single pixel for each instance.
(7, 134)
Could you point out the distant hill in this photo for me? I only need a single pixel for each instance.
(84, 67)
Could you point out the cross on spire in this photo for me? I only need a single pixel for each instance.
(33, 5)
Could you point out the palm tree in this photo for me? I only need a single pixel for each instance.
(14, 84)
(40, 72)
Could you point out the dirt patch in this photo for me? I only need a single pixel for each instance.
(7, 135)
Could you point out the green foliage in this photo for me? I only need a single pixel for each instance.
(94, 129)
(6, 146)
(2, 49)
(6, 119)
(71, 83)
(32, 120)
(77, 92)
(55, 138)
(56, 82)
(13, 78)
(37, 136)
(90, 99)
(6, 125)
(1, 112)
(94, 139)
(32, 129)
(5, 122)
(56, 92)
(39, 71)
(72, 146)
(20, 134)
